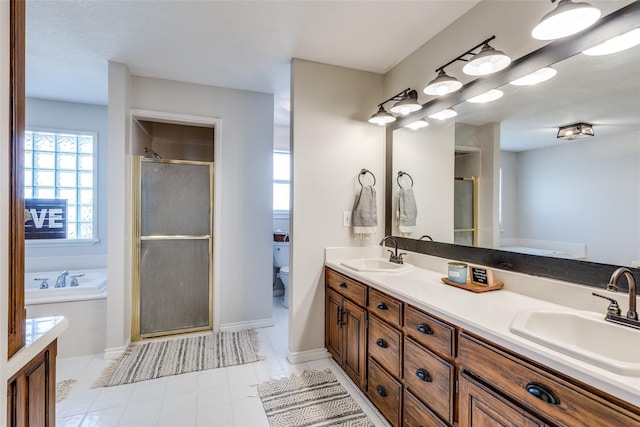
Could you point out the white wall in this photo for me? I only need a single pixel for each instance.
(584, 192)
(4, 198)
(510, 224)
(56, 115)
(331, 142)
(427, 155)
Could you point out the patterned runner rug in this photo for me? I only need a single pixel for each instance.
(314, 398)
(155, 359)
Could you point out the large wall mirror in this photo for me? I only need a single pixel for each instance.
(496, 177)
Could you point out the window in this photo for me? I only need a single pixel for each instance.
(281, 180)
(61, 165)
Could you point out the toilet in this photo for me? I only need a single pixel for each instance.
(281, 260)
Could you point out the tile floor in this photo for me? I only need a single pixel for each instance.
(218, 397)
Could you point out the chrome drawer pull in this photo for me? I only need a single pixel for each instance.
(343, 285)
(380, 390)
(382, 306)
(425, 329)
(382, 343)
(543, 393)
(423, 375)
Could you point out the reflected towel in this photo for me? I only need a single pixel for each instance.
(407, 211)
(365, 216)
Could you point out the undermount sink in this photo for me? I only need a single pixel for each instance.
(376, 265)
(585, 336)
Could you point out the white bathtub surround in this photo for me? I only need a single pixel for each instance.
(490, 314)
(92, 284)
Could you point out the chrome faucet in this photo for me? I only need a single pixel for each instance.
(613, 312)
(426, 236)
(61, 281)
(394, 257)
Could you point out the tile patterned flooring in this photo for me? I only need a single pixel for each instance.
(218, 397)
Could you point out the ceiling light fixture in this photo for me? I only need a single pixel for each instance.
(575, 131)
(617, 44)
(407, 102)
(566, 19)
(444, 114)
(487, 61)
(418, 124)
(489, 96)
(542, 75)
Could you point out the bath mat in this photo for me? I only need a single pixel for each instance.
(314, 398)
(63, 388)
(155, 359)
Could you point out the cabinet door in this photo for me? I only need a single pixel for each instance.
(333, 331)
(354, 342)
(479, 407)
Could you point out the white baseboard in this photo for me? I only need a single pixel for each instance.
(114, 352)
(307, 356)
(253, 324)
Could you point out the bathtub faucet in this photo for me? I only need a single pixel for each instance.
(61, 281)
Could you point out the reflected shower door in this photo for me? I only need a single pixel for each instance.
(172, 293)
(465, 211)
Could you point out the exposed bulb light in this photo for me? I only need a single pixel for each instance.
(492, 95)
(408, 104)
(575, 131)
(487, 61)
(382, 117)
(616, 44)
(542, 75)
(442, 84)
(566, 19)
(444, 114)
(418, 124)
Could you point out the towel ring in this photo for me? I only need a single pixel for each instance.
(400, 174)
(364, 172)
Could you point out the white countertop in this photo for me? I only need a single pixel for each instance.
(40, 332)
(488, 315)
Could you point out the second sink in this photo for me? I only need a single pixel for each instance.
(376, 265)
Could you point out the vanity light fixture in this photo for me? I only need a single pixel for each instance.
(616, 44)
(418, 124)
(487, 61)
(407, 102)
(489, 96)
(542, 75)
(575, 131)
(566, 19)
(447, 113)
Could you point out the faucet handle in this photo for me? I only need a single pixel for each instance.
(613, 308)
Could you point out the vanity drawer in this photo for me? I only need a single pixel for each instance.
(385, 307)
(385, 346)
(430, 378)
(385, 392)
(356, 292)
(512, 376)
(415, 414)
(429, 332)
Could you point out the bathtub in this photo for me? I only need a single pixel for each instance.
(84, 305)
(92, 284)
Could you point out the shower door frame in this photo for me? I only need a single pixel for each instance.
(474, 230)
(136, 335)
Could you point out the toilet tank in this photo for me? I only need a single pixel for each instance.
(280, 254)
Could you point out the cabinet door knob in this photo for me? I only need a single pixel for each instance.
(382, 306)
(382, 343)
(425, 329)
(380, 390)
(423, 375)
(343, 285)
(543, 393)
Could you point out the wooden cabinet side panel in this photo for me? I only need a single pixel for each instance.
(333, 331)
(355, 342)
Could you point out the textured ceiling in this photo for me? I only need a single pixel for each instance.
(236, 44)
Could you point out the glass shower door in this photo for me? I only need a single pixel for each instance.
(172, 293)
(465, 211)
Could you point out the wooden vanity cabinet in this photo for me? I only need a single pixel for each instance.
(345, 324)
(31, 392)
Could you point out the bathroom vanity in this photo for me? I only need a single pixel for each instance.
(428, 354)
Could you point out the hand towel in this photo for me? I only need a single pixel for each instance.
(364, 217)
(407, 211)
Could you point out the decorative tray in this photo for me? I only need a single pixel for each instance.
(473, 287)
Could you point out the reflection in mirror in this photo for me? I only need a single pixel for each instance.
(538, 194)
